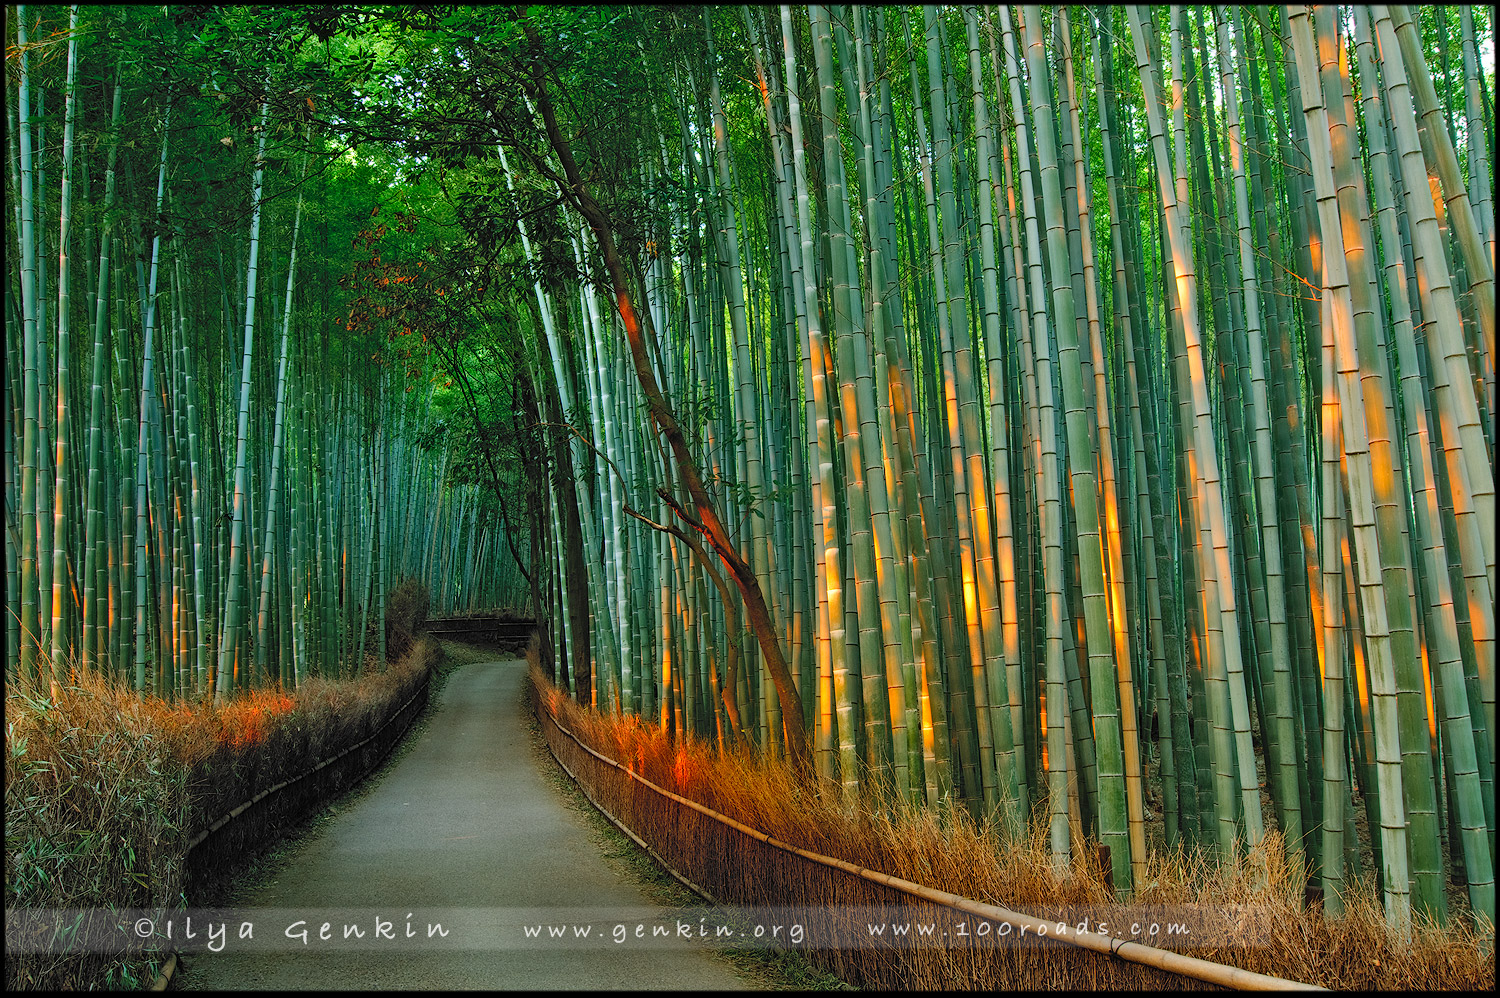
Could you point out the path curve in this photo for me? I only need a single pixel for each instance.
(465, 832)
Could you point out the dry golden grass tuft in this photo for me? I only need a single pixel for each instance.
(106, 789)
(1248, 914)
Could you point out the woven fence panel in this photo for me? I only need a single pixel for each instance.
(836, 906)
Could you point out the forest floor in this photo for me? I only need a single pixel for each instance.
(467, 829)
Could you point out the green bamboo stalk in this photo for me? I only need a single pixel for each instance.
(61, 502)
(971, 502)
(1465, 452)
(95, 576)
(831, 651)
(1218, 592)
(1029, 436)
(970, 728)
(1478, 259)
(31, 442)
(1050, 528)
(1284, 738)
(878, 435)
(46, 398)
(1477, 156)
(1358, 480)
(262, 636)
(1015, 785)
(1390, 502)
(1112, 533)
(1442, 631)
(1104, 680)
(229, 641)
(1125, 343)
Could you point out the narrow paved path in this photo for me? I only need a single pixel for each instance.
(463, 831)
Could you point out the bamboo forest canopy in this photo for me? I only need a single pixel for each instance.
(1077, 415)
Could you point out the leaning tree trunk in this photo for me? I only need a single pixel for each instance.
(706, 521)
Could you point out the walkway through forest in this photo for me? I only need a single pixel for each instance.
(463, 830)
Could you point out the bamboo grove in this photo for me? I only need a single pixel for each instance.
(1098, 399)
(1077, 415)
(210, 482)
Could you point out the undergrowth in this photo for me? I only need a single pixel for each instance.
(1249, 913)
(106, 789)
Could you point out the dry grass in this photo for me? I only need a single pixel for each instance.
(1249, 914)
(105, 790)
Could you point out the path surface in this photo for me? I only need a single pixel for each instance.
(463, 831)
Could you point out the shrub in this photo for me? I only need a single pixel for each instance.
(105, 790)
(96, 815)
(406, 607)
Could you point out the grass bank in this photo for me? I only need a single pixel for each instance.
(1249, 914)
(108, 794)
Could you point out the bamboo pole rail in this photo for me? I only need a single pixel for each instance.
(1151, 956)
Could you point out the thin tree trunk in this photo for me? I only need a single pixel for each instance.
(706, 520)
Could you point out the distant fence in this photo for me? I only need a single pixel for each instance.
(482, 630)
